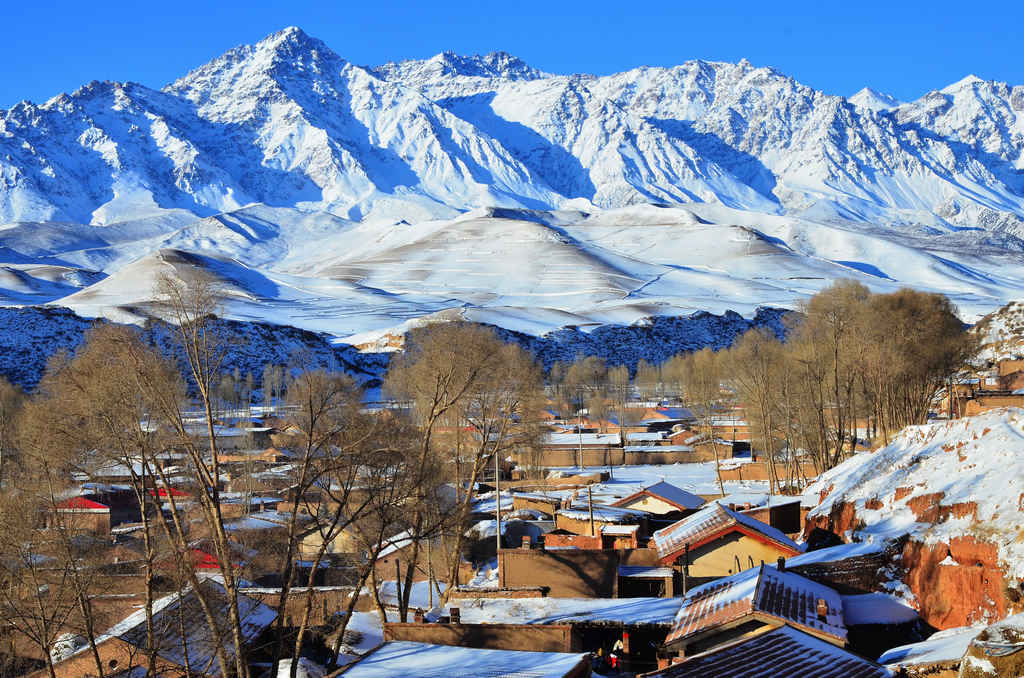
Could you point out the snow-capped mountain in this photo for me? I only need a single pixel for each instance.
(289, 122)
(353, 200)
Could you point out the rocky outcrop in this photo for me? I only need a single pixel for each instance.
(952, 492)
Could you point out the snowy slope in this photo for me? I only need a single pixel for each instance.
(938, 483)
(948, 497)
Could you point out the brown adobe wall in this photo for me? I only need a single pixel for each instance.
(530, 637)
(580, 541)
(122, 654)
(567, 574)
(507, 594)
(326, 601)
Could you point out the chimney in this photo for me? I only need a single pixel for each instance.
(781, 564)
(526, 542)
(822, 609)
(417, 616)
(456, 615)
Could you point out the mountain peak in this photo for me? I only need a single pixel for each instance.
(963, 83)
(499, 65)
(874, 100)
(277, 57)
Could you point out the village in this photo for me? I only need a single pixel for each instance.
(502, 522)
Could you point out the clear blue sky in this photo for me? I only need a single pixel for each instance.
(904, 47)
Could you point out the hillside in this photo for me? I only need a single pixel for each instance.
(1001, 333)
(956, 489)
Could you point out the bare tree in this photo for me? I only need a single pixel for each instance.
(11, 399)
(703, 388)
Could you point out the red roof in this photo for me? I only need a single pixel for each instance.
(786, 596)
(82, 503)
(163, 492)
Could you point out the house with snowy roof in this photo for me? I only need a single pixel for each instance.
(662, 499)
(182, 638)
(423, 660)
(751, 602)
(717, 541)
(583, 517)
(398, 550)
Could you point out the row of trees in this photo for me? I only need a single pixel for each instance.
(855, 366)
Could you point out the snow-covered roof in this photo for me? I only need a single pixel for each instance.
(198, 643)
(619, 530)
(395, 543)
(757, 499)
(710, 522)
(780, 652)
(603, 513)
(832, 554)
(658, 448)
(264, 520)
(584, 439)
(654, 436)
(876, 608)
(421, 660)
(655, 611)
(765, 590)
(669, 493)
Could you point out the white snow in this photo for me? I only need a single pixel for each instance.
(659, 611)
(359, 201)
(974, 461)
(420, 660)
(876, 608)
(947, 645)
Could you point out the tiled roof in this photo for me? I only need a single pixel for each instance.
(786, 596)
(781, 652)
(197, 648)
(708, 523)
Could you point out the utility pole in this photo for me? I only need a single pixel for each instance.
(579, 430)
(686, 566)
(497, 505)
(590, 505)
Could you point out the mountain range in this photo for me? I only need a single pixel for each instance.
(354, 200)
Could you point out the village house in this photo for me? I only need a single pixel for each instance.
(588, 518)
(123, 648)
(398, 551)
(607, 537)
(403, 658)
(638, 625)
(780, 511)
(662, 499)
(761, 598)
(80, 514)
(582, 449)
(717, 541)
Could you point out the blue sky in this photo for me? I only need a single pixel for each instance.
(904, 48)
